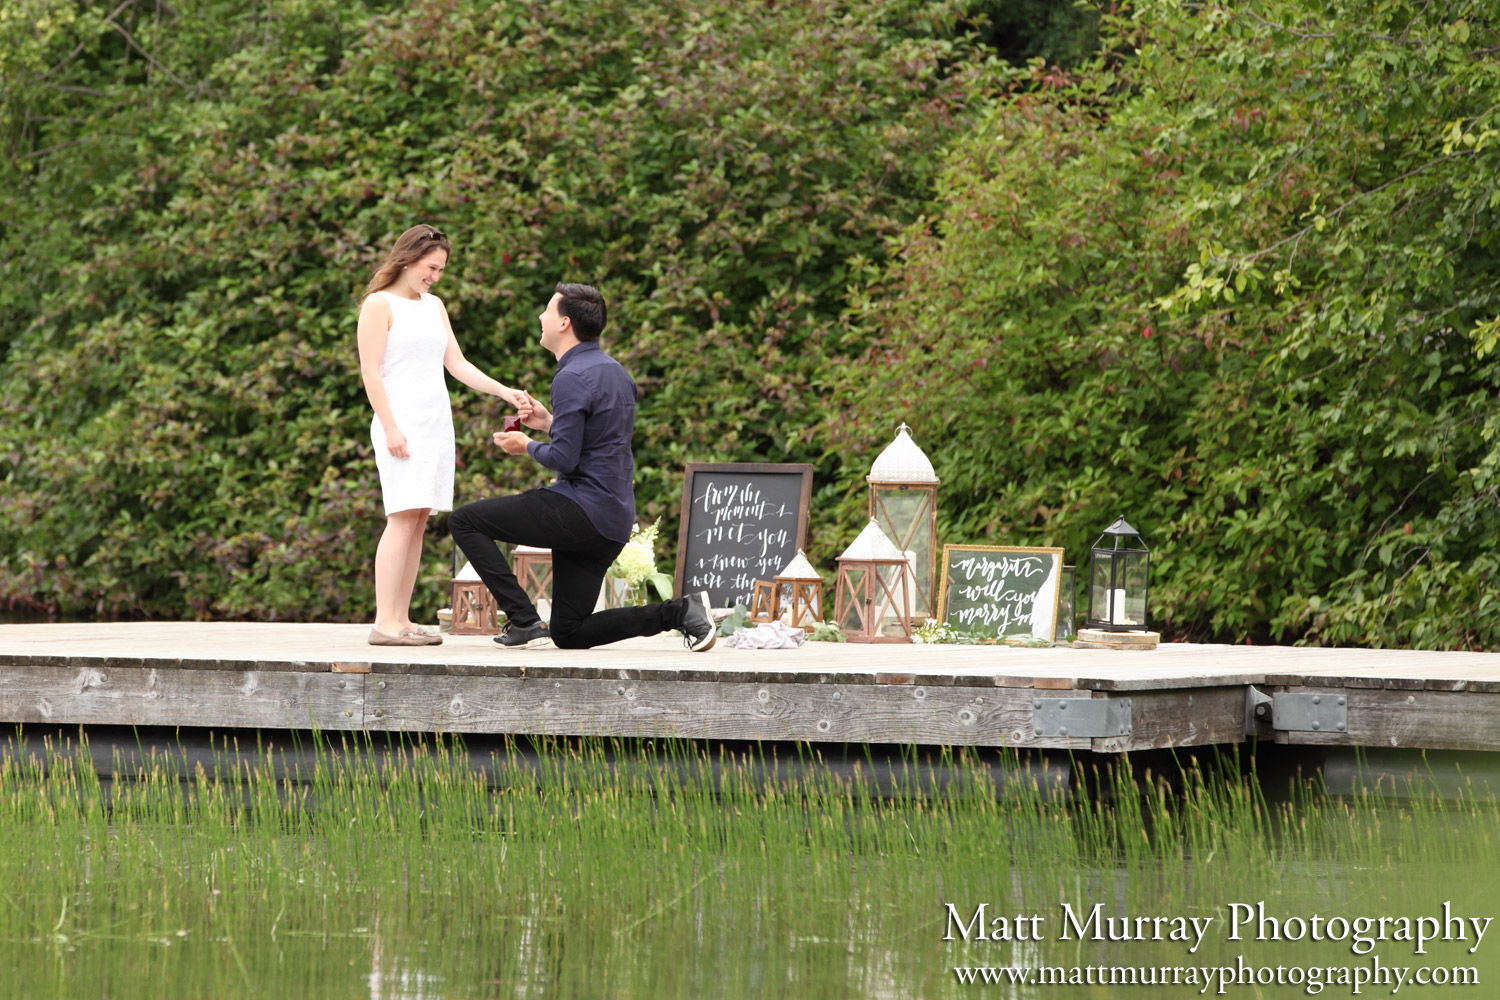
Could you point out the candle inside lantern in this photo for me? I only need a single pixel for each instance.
(1117, 607)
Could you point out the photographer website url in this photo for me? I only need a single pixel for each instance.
(1374, 975)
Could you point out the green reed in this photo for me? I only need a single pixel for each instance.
(659, 868)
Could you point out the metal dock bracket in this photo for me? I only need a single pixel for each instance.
(1309, 713)
(1081, 718)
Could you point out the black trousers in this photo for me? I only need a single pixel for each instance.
(580, 558)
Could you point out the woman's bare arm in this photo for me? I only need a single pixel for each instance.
(374, 326)
(469, 374)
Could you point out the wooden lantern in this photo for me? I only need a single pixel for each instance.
(474, 609)
(799, 593)
(903, 501)
(873, 592)
(533, 569)
(765, 604)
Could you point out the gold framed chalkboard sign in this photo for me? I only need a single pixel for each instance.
(741, 522)
(1001, 590)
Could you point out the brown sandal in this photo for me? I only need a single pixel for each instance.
(379, 638)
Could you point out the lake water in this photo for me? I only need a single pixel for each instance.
(661, 870)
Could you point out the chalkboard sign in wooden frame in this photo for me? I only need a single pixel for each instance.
(741, 522)
(1001, 589)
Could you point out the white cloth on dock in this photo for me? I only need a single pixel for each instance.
(767, 635)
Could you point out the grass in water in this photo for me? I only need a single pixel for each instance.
(601, 868)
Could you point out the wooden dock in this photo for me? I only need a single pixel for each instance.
(243, 675)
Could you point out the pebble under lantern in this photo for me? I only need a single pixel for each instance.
(872, 592)
(903, 501)
(1119, 580)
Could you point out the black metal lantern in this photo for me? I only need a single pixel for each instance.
(1119, 580)
(1067, 613)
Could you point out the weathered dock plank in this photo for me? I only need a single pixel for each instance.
(1410, 718)
(177, 696)
(732, 710)
(1181, 718)
(225, 675)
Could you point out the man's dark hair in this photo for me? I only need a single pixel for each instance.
(584, 305)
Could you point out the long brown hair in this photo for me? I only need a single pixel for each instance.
(411, 246)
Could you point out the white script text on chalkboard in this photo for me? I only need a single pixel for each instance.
(987, 581)
(733, 510)
(740, 523)
(1001, 590)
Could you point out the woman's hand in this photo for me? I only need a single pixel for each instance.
(515, 397)
(395, 443)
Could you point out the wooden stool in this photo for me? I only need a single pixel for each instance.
(533, 569)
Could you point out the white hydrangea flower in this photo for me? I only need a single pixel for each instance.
(636, 562)
(933, 631)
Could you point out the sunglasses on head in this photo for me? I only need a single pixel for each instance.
(435, 235)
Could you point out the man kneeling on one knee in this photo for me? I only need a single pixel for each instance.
(584, 517)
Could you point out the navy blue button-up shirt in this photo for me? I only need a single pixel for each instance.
(593, 419)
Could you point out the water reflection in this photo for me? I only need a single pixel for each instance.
(409, 877)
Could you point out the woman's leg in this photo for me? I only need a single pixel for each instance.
(413, 565)
(392, 591)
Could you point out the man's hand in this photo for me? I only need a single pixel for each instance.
(515, 397)
(538, 417)
(512, 442)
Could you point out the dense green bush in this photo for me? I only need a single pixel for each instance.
(1233, 276)
(1237, 282)
(185, 430)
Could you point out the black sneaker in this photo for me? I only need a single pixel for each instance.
(515, 636)
(698, 631)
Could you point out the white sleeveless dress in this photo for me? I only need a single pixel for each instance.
(412, 372)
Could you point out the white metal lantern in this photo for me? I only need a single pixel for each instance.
(903, 501)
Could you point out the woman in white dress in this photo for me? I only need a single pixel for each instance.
(405, 343)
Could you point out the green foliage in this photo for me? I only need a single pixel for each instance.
(825, 632)
(1019, 31)
(185, 431)
(1232, 276)
(1239, 287)
(934, 632)
(736, 619)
